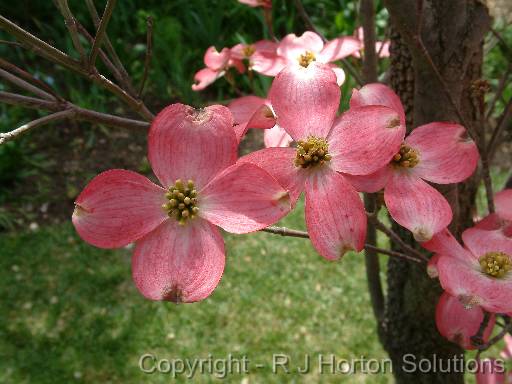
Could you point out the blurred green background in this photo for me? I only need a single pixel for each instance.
(69, 312)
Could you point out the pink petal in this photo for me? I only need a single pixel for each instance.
(340, 74)
(237, 64)
(185, 143)
(365, 139)
(179, 263)
(291, 47)
(257, 3)
(464, 279)
(458, 324)
(371, 183)
(280, 163)
(416, 205)
(204, 78)
(339, 48)
(251, 112)
(490, 222)
(503, 202)
(490, 372)
(480, 241)
(266, 46)
(444, 243)
(267, 64)
(446, 156)
(216, 60)
(305, 100)
(118, 207)
(507, 351)
(382, 48)
(377, 94)
(276, 137)
(244, 198)
(432, 271)
(335, 215)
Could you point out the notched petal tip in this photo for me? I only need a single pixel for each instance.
(80, 210)
(469, 301)
(393, 122)
(345, 248)
(283, 199)
(173, 294)
(422, 234)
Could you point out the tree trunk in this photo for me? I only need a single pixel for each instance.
(452, 33)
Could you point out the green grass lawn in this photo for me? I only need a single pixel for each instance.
(70, 313)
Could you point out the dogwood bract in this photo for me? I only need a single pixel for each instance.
(305, 100)
(437, 152)
(179, 252)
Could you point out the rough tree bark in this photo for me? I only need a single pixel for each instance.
(452, 33)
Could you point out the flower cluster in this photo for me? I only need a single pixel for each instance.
(476, 277)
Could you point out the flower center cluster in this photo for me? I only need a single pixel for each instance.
(182, 203)
(495, 264)
(248, 50)
(306, 58)
(406, 157)
(312, 152)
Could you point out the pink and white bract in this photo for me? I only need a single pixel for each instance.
(256, 112)
(305, 100)
(179, 252)
(437, 152)
(458, 324)
(216, 65)
(480, 273)
(492, 372)
(501, 220)
(257, 3)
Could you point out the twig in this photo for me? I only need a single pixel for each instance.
(500, 127)
(485, 346)
(397, 239)
(100, 33)
(370, 56)
(478, 338)
(70, 22)
(79, 113)
(25, 85)
(13, 43)
(28, 77)
(502, 42)
(283, 231)
(502, 85)
(8, 136)
(149, 51)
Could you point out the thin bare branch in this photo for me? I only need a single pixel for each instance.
(397, 239)
(149, 52)
(25, 85)
(102, 30)
(28, 77)
(8, 136)
(500, 127)
(283, 231)
(79, 113)
(502, 85)
(70, 22)
(13, 43)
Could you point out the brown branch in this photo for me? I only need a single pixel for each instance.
(70, 22)
(370, 56)
(58, 57)
(478, 341)
(101, 31)
(500, 127)
(502, 85)
(13, 43)
(149, 52)
(397, 239)
(28, 77)
(25, 85)
(283, 231)
(11, 135)
(79, 113)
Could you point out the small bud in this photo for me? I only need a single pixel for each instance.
(186, 200)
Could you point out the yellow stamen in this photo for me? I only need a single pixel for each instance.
(306, 58)
(182, 201)
(312, 152)
(407, 157)
(495, 264)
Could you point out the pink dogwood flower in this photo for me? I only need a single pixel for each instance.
(501, 220)
(507, 351)
(257, 3)
(179, 252)
(256, 112)
(309, 47)
(458, 324)
(480, 273)
(305, 100)
(381, 47)
(438, 152)
(217, 63)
